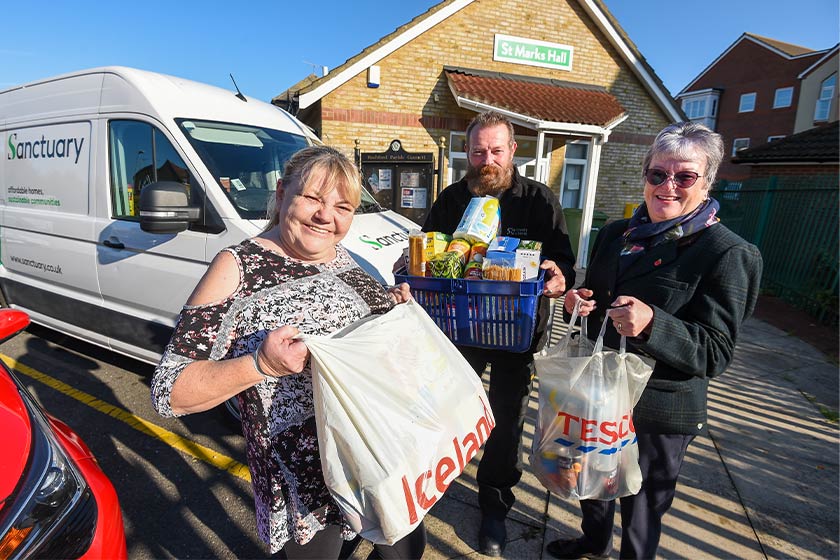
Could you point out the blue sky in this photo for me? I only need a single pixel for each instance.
(268, 46)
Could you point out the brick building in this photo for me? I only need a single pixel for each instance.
(585, 103)
(749, 94)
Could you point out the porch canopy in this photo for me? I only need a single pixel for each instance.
(546, 106)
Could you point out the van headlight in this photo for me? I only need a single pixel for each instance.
(51, 513)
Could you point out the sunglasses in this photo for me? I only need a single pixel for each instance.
(683, 179)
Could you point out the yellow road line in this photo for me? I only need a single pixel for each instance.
(172, 439)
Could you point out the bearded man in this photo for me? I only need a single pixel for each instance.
(529, 210)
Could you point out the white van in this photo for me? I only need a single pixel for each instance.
(78, 151)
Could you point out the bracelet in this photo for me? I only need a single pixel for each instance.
(255, 357)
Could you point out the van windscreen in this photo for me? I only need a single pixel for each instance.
(245, 160)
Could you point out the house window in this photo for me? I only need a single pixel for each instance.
(525, 158)
(783, 98)
(701, 107)
(573, 180)
(731, 191)
(823, 108)
(740, 144)
(773, 138)
(747, 104)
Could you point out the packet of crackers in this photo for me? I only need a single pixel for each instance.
(501, 265)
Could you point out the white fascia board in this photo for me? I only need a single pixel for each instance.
(310, 97)
(697, 93)
(572, 129)
(635, 64)
(827, 55)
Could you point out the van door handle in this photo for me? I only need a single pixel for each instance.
(113, 244)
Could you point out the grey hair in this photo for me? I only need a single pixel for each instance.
(680, 138)
(489, 118)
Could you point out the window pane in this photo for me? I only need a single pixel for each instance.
(823, 108)
(784, 97)
(458, 166)
(131, 165)
(740, 144)
(576, 151)
(747, 103)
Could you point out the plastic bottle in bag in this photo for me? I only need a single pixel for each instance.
(607, 468)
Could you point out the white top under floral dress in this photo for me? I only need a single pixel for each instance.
(278, 417)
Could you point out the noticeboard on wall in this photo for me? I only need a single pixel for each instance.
(399, 180)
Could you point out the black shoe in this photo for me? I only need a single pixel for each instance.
(567, 549)
(492, 536)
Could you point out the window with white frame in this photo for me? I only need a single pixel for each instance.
(701, 107)
(783, 98)
(747, 104)
(740, 144)
(525, 158)
(774, 138)
(823, 108)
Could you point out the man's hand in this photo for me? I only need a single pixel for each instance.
(555, 283)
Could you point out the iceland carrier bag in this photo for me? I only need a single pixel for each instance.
(399, 414)
(585, 443)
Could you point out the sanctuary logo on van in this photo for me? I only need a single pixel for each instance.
(46, 148)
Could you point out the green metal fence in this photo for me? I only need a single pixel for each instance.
(794, 223)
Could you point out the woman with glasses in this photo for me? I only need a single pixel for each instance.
(678, 284)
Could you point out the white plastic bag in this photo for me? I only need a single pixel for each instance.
(585, 443)
(400, 413)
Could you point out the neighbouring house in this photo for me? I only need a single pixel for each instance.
(585, 103)
(813, 152)
(752, 94)
(819, 95)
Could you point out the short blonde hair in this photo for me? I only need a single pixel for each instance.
(331, 168)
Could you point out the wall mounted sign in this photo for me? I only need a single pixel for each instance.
(520, 50)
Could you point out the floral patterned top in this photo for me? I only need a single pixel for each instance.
(278, 417)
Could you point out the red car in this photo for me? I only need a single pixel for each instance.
(55, 501)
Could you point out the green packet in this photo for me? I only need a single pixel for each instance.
(530, 244)
(447, 265)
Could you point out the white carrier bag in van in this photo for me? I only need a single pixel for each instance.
(399, 413)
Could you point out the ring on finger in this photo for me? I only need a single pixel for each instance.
(618, 327)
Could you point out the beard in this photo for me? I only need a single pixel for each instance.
(489, 180)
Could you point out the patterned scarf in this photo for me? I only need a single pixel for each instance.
(642, 234)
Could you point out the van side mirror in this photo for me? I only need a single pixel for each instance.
(165, 208)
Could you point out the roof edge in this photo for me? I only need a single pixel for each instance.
(348, 70)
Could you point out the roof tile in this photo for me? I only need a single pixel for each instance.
(546, 100)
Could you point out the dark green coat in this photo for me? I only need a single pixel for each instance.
(701, 289)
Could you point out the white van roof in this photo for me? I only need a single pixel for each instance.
(119, 89)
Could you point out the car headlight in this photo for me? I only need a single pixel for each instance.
(51, 513)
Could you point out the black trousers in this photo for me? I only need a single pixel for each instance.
(511, 377)
(327, 543)
(660, 459)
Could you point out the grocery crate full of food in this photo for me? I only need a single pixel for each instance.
(481, 289)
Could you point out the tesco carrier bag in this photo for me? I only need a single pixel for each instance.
(399, 414)
(585, 443)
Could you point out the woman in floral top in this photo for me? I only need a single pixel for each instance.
(235, 336)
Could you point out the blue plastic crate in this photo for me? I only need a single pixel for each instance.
(482, 313)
